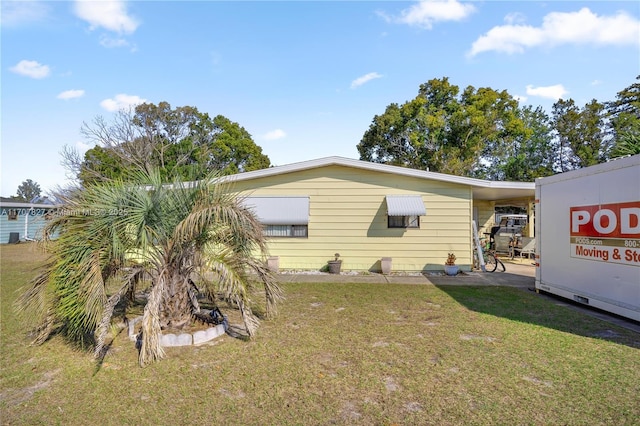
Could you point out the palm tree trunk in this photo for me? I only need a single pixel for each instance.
(150, 346)
(176, 307)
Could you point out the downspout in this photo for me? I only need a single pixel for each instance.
(26, 224)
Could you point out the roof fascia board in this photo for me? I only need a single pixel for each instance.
(377, 167)
(27, 205)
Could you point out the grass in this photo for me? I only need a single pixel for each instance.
(340, 354)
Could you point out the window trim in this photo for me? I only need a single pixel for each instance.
(404, 211)
(291, 231)
(408, 222)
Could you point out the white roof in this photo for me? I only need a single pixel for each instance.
(482, 189)
(22, 205)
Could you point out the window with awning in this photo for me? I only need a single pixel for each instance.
(282, 216)
(404, 211)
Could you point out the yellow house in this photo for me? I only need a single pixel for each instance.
(368, 211)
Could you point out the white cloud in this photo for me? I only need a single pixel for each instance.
(31, 69)
(515, 18)
(596, 82)
(364, 79)
(121, 102)
(275, 134)
(425, 13)
(582, 27)
(110, 15)
(508, 39)
(14, 13)
(71, 94)
(554, 92)
(110, 43)
(520, 98)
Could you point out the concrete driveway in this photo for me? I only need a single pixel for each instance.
(517, 274)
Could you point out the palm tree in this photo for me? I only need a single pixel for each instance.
(627, 144)
(117, 232)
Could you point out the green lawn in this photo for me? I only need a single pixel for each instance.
(340, 354)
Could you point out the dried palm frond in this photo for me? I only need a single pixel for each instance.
(251, 322)
(35, 307)
(151, 332)
(103, 326)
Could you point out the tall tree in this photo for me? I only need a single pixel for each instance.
(177, 236)
(627, 144)
(624, 115)
(498, 127)
(533, 155)
(100, 164)
(444, 130)
(28, 190)
(582, 134)
(180, 142)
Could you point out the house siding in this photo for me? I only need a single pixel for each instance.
(8, 226)
(33, 218)
(486, 216)
(347, 215)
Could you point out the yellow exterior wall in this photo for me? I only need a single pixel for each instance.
(348, 216)
(486, 216)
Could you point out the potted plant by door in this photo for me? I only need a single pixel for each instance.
(334, 265)
(450, 267)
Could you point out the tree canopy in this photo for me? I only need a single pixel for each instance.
(624, 113)
(581, 133)
(484, 133)
(532, 155)
(28, 190)
(181, 143)
(445, 130)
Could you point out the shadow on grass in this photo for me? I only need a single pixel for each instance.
(523, 305)
(99, 361)
(238, 332)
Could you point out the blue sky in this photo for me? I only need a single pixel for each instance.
(305, 79)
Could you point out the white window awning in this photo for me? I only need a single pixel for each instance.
(405, 205)
(292, 210)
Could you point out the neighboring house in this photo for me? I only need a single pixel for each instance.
(366, 211)
(21, 221)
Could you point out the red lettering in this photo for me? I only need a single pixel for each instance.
(616, 220)
(631, 256)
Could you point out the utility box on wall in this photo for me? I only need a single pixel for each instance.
(588, 236)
